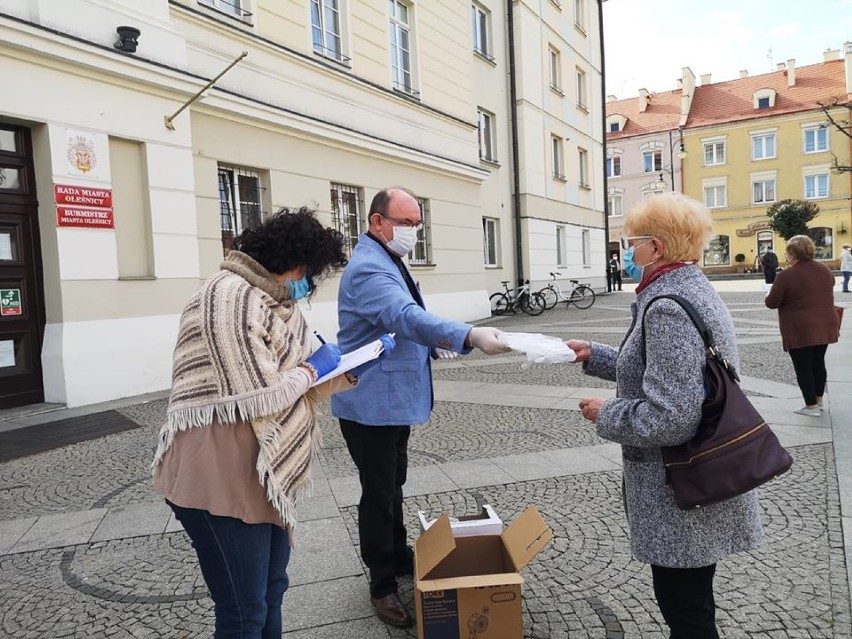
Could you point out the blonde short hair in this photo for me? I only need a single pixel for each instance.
(682, 224)
(801, 247)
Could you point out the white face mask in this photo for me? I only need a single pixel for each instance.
(404, 239)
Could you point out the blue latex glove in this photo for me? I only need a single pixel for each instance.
(325, 359)
(388, 344)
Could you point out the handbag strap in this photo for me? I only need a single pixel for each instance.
(703, 330)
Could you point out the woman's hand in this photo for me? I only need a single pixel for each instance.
(590, 407)
(581, 347)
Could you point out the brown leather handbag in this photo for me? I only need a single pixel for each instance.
(734, 449)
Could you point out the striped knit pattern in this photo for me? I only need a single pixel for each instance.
(238, 333)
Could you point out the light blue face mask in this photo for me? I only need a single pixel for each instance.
(299, 289)
(634, 270)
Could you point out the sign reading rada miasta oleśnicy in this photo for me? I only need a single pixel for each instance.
(83, 207)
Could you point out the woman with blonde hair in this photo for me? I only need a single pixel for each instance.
(804, 297)
(660, 391)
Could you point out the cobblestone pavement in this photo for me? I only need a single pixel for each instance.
(585, 584)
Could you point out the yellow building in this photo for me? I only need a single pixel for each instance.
(753, 141)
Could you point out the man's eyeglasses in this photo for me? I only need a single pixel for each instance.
(405, 223)
(625, 241)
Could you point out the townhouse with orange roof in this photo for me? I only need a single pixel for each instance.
(739, 146)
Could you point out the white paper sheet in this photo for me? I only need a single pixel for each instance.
(354, 359)
(7, 353)
(5, 246)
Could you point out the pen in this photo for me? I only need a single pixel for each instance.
(319, 337)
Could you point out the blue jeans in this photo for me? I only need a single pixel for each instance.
(245, 569)
(846, 276)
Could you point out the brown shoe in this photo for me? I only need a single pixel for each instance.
(391, 610)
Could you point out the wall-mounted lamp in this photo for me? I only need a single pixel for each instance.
(128, 39)
(661, 183)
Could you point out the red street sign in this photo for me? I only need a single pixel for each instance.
(84, 217)
(82, 196)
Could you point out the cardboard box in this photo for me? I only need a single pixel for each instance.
(485, 523)
(470, 587)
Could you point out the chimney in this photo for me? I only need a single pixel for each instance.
(847, 56)
(611, 98)
(705, 79)
(643, 100)
(780, 66)
(831, 54)
(791, 72)
(743, 73)
(687, 83)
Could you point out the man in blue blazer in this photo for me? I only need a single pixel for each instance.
(378, 295)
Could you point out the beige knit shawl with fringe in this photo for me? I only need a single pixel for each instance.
(237, 335)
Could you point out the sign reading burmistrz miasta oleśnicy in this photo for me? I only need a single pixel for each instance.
(83, 207)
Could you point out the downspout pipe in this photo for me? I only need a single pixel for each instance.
(516, 171)
(604, 128)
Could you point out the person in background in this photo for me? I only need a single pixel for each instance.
(804, 297)
(658, 403)
(615, 271)
(241, 438)
(769, 261)
(378, 295)
(846, 266)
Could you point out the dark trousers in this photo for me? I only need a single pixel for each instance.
(381, 455)
(685, 597)
(809, 364)
(245, 569)
(616, 279)
(769, 274)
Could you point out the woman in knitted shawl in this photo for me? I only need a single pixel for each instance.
(241, 436)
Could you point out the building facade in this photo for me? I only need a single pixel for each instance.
(122, 188)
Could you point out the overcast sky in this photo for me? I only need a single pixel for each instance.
(648, 41)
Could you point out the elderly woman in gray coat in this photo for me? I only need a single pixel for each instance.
(658, 402)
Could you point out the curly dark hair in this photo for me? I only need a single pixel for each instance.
(293, 238)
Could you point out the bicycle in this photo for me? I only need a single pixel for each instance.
(531, 303)
(580, 295)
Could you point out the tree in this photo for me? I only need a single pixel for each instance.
(844, 126)
(790, 217)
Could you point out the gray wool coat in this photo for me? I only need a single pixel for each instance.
(658, 403)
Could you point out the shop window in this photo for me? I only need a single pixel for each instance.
(718, 251)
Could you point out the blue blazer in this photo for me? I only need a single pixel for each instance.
(373, 300)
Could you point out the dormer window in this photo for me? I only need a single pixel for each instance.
(614, 127)
(764, 98)
(615, 123)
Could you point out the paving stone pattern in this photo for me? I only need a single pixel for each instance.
(585, 584)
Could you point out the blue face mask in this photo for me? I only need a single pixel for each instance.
(634, 270)
(299, 288)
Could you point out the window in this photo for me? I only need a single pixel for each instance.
(346, 206)
(583, 158)
(763, 146)
(422, 253)
(400, 46)
(613, 166)
(235, 8)
(555, 65)
(714, 153)
(763, 103)
(816, 139)
(482, 31)
(614, 127)
(716, 196)
(326, 29)
(491, 241)
(239, 202)
(614, 206)
(816, 186)
(823, 241)
(718, 252)
(580, 15)
(556, 152)
(581, 90)
(763, 190)
(586, 238)
(652, 161)
(561, 246)
(487, 150)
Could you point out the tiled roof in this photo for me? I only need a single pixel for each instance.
(662, 114)
(732, 101)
